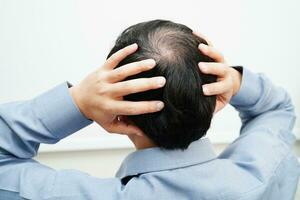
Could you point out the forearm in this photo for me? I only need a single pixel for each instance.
(265, 142)
(45, 119)
(263, 105)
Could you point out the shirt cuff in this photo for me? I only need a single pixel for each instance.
(59, 113)
(250, 90)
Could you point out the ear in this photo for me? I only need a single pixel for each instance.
(122, 125)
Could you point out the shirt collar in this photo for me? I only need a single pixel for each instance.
(156, 159)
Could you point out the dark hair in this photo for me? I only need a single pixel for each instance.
(187, 114)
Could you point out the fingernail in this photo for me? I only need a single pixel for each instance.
(161, 81)
(205, 90)
(160, 105)
(202, 66)
(134, 45)
(202, 46)
(150, 63)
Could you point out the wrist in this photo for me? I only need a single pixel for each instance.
(237, 79)
(77, 100)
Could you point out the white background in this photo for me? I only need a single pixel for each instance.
(43, 43)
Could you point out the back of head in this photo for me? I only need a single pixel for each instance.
(187, 114)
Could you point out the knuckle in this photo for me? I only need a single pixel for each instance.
(118, 73)
(126, 85)
(131, 110)
(112, 60)
(103, 91)
(224, 69)
(139, 67)
(144, 67)
(127, 88)
(150, 83)
(107, 109)
(135, 68)
(102, 76)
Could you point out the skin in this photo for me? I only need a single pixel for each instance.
(100, 95)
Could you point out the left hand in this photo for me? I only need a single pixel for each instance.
(228, 79)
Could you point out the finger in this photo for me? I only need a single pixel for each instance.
(136, 108)
(124, 88)
(218, 69)
(216, 88)
(117, 57)
(122, 127)
(212, 53)
(203, 37)
(130, 69)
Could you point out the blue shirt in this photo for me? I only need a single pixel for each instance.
(258, 165)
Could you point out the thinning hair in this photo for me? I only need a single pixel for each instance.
(187, 114)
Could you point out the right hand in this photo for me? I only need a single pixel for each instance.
(100, 95)
(228, 79)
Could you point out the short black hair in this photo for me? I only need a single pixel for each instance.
(187, 114)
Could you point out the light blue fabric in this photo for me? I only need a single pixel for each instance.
(258, 165)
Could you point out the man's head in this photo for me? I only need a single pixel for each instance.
(187, 114)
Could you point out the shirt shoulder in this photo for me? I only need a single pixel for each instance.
(221, 179)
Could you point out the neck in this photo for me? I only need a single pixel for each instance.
(141, 142)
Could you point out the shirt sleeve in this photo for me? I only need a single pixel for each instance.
(264, 147)
(28, 179)
(262, 105)
(44, 119)
(47, 118)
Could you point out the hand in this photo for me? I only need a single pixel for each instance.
(228, 81)
(227, 85)
(100, 95)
